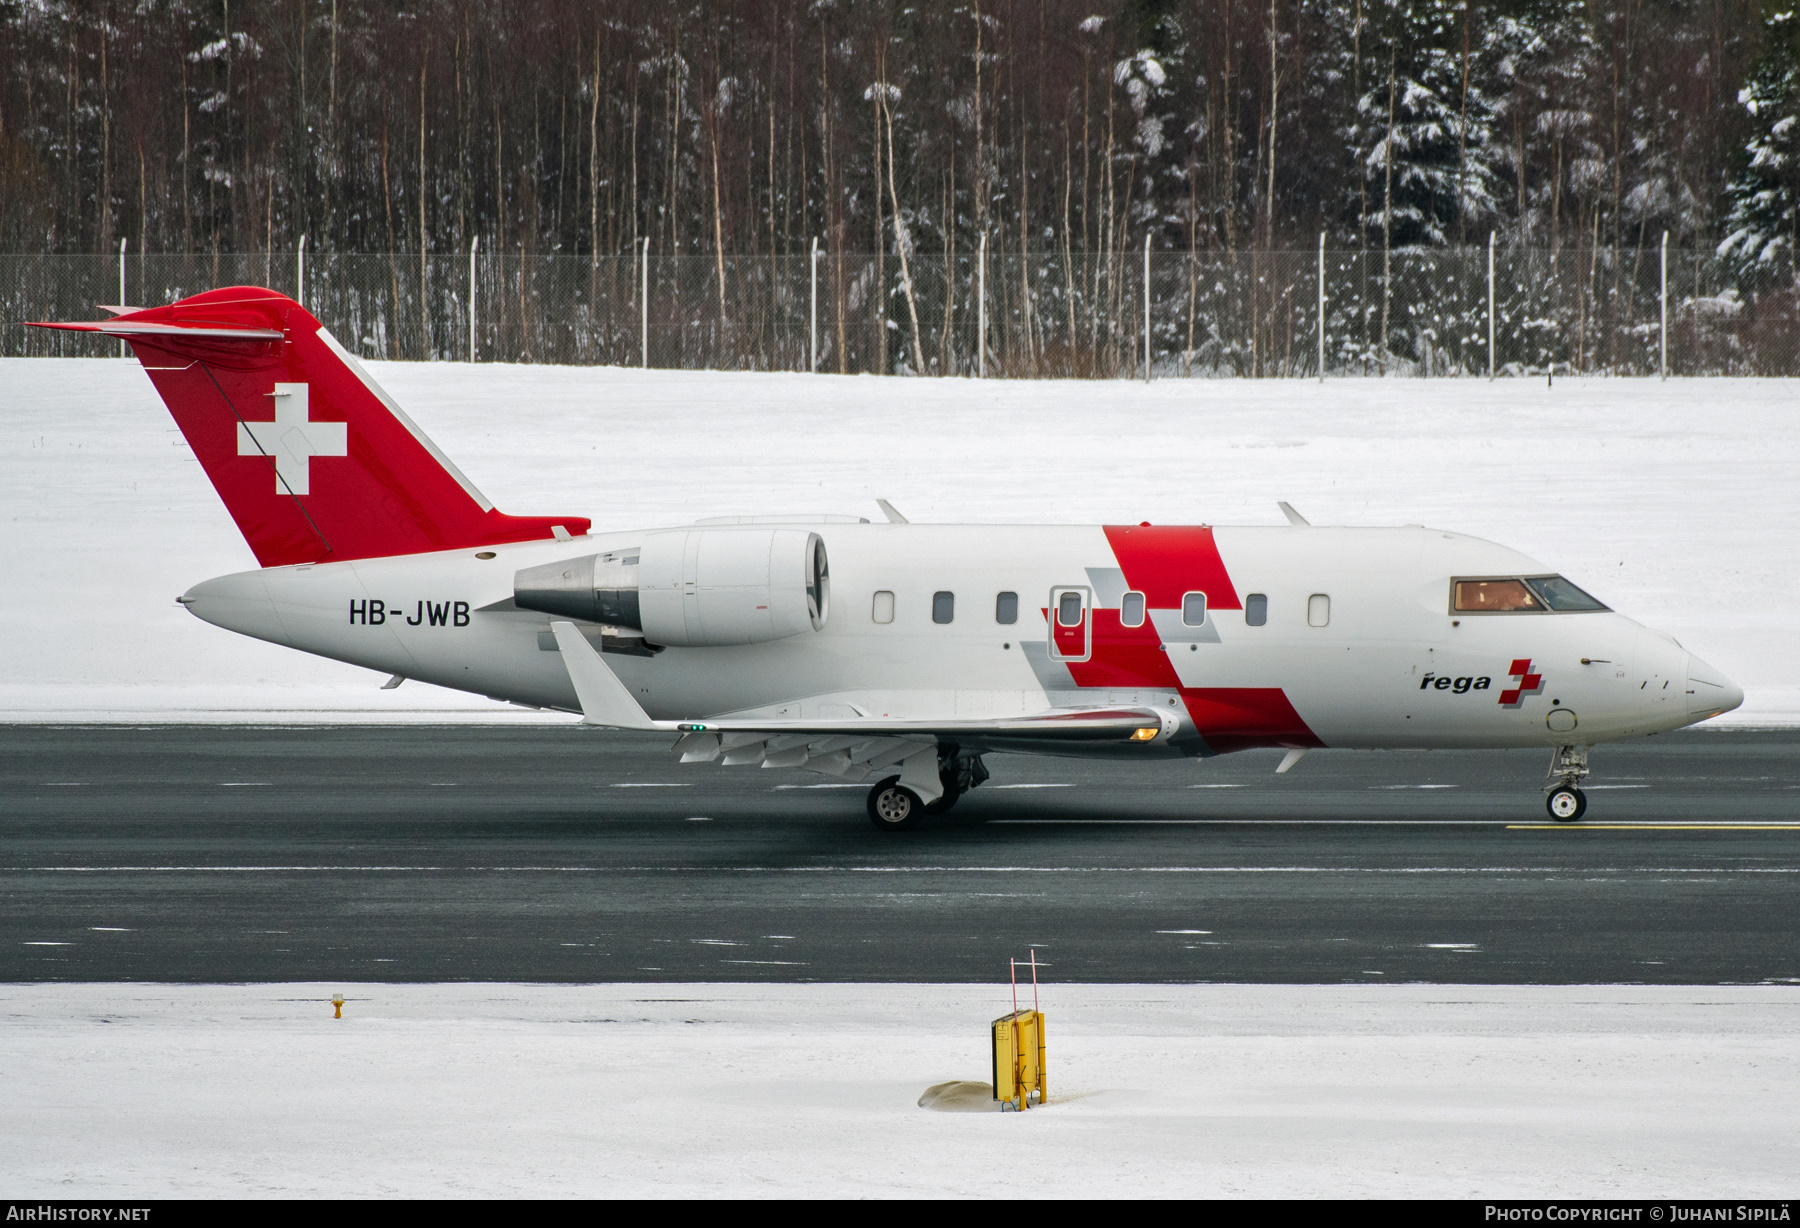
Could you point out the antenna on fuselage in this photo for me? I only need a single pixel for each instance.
(887, 509)
(1294, 518)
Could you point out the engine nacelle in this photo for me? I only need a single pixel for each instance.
(692, 588)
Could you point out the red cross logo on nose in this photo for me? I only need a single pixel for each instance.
(1529, 684)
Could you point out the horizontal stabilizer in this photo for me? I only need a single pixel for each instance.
(123, 327)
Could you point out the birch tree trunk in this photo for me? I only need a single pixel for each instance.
(902, 239)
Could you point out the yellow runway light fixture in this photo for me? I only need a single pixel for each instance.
(1019, 1076)
(337, 1001)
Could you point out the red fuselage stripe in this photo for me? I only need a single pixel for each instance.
(1164, 564)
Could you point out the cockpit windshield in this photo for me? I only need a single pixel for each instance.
(1520, 595)
(1559, 594)
(1495, 597)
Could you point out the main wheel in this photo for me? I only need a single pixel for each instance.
(1566, 804)
(893, 807)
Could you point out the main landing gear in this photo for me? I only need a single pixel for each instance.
(1563, 797)
(894, 807)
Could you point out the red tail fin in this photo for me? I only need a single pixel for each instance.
(314, 461)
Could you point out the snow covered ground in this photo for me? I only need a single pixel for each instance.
(119, 1091)
(1676, 501)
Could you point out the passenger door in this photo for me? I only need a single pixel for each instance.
(1070, 624)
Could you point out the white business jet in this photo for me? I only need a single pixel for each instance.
(891, 652)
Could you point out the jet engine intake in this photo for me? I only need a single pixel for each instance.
(692, 588)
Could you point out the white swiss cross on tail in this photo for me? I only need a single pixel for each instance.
(293, 439)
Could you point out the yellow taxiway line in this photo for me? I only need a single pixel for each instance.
(1653, 826)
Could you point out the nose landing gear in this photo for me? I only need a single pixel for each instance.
(1563, 796)
(1566, 804)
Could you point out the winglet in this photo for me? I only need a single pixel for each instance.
(1294, 518)
(887, 509)
(604, 699)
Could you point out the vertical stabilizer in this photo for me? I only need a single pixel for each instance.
(314, 461)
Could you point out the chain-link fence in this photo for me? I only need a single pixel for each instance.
(1049, 314)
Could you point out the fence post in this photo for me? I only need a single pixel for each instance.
(473, 244)
(1491, 235)
(1663, 332)
(981, 309)
(123, 353)
(644, 310)
(300, 272)
(1321, 306)
(1146, 309)
(813, 352)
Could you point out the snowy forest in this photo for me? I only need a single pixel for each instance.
(1055, 135)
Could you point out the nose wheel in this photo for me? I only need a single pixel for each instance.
(1563, 797)
(1566, 804)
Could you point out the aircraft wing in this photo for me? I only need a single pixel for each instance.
(1050, 725)
(847, 747)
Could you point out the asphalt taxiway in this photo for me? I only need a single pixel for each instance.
(206, 854)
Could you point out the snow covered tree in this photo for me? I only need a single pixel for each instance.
(1421, 128)
(1558, 162)
(1765, 194)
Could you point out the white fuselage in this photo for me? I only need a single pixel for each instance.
(1383, 662)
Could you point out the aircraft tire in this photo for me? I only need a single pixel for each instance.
(1566, 804)
(951, 795)
(894, 807)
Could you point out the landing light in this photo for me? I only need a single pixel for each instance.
(1145, 734)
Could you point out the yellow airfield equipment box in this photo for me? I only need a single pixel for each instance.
(1019, 1059)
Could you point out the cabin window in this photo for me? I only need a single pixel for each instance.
(943, 607)
(1318, 610)
(1131, 610)
(1496, 597)
(1256, 609)
(1006, 608)
(883, 610)
(1193, 609)
(1068, 610)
